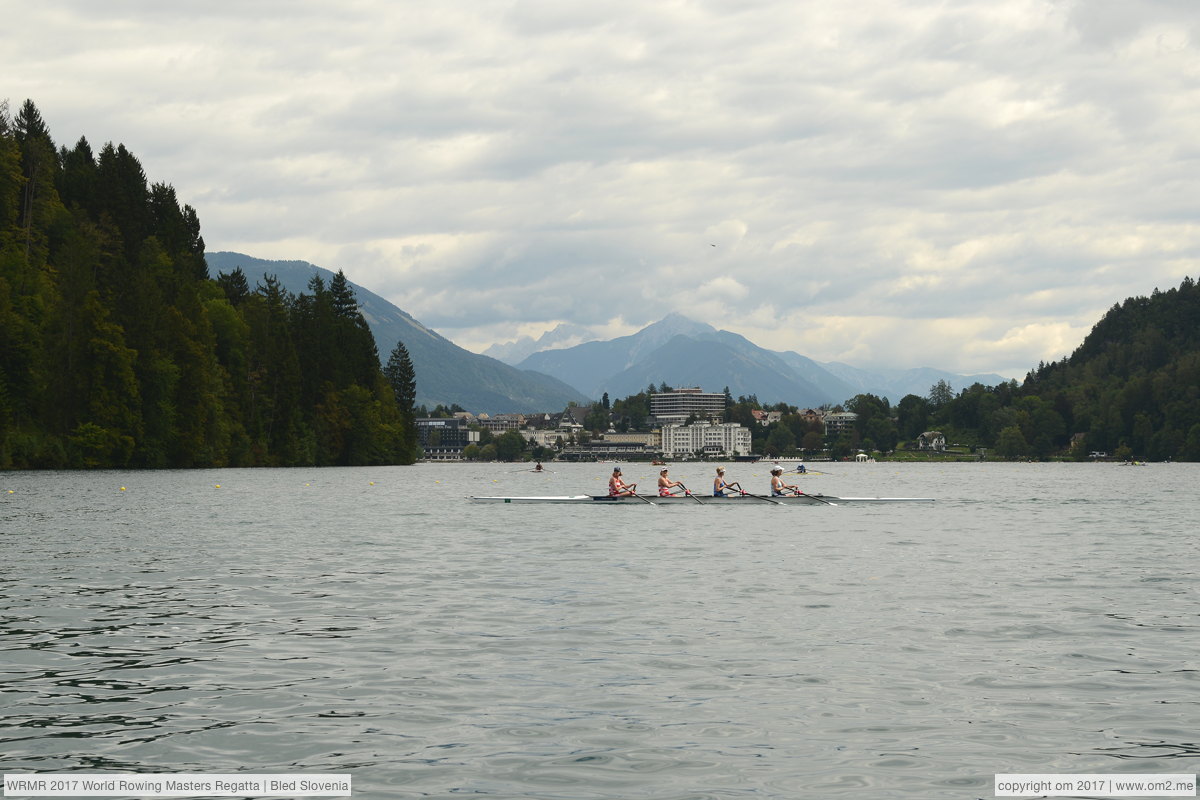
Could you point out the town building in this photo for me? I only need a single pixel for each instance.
(840, 422)
(650, 441)
(812, 417)
(501, 422)
(546, 437)
(679, 405)
(602, 449)
(445, 439)
(765, 418)
(706, 439)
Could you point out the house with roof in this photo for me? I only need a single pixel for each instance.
(765, 418)
(932, 440)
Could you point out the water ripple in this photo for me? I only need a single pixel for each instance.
(370, 621)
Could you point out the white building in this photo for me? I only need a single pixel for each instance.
(680, 404)
(546, 438)
(501, 422)
(724, 439)
(932, 440)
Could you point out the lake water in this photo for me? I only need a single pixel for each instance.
(1038, 618)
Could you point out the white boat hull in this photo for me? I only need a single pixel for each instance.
(696, 499)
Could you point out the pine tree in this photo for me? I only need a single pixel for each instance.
(235, 286)
(77, 181)
(39, 165)
(401, 376)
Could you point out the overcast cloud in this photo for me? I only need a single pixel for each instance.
(963, 185)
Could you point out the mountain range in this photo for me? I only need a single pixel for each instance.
(682, 352)
(446, 373)
(564, 335)
(675, 350)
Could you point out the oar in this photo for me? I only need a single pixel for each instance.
(689, 494)
(639, 497)
(814, 497)
(761, 497)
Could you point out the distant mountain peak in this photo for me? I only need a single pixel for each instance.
(565, 334)
(680, 351)
(677, 324)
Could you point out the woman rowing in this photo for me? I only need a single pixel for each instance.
(720, 485)
(665, 484)
(618, 487)
(777, 484)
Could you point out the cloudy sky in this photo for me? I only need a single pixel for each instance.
(967, 185)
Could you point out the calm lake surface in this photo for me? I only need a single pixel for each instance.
(1038, 618)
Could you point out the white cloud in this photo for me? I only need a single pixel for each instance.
(902, 183)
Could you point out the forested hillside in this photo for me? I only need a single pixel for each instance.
(1131, 390)
(1134, 383)
(118, 350)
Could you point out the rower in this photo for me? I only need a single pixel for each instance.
(618, 487)
(538, 468)
(777, 484)
(665, 484)
(720, 485)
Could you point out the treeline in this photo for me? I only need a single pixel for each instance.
(1133, 387)
(1131, 390)
(118, 350)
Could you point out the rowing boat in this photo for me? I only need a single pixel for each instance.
(692, 499)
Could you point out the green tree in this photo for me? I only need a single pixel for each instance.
(780, 440)
(812, 442)
(940, 394)
(1191, 448)
(882, 431)
(401, 376)
(1011, 443)
(509, 445)
(235, 286)
(912, 416)
(597, 419)
(39, 166)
